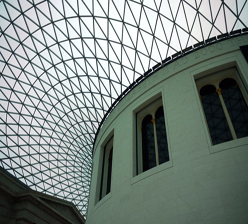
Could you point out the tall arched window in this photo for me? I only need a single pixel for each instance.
(152, 139)
(109, 170)
(106, 171)
(163, 153)
(236, 106)
(215, 116)
(148, 143)
(224, 105)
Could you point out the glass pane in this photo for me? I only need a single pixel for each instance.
(102, 177)
(148, 145)
(217, 123)
(236, 106)
(163, 153)
(109, 170)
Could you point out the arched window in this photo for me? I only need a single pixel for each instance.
(163, 153)
(236, 106)
(224, 105)
(148, 143)
(109, 170)
(216, 119)
(152, 138)
(106, 171)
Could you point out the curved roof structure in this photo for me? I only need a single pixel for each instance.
(64, 63)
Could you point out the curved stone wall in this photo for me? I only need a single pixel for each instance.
(202, 183)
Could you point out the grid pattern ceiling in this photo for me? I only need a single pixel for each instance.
(63, 63)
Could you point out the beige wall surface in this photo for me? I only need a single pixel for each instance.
(201, 183)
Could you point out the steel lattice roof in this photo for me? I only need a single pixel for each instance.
(64, 63)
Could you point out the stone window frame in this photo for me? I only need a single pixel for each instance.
(215, 79)
(101, 193)
(147, 109)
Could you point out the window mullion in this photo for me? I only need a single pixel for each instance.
(155, 140)
(226, 114)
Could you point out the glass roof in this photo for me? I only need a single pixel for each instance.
(64, 63)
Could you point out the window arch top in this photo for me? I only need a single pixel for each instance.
(207, 90)
(227, 83)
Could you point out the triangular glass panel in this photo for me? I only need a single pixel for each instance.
(85, 7)
(150, 4)
(73, 28)
(117, 27)
(133, 31)
(196, 31)
(70, 10)
(119, 7)
(89, 48)
(136, 10)
(115, 52)
(44, 19)
(129, 17)
(86, 25)
(56, 10)
(144, 24)
(13, 10)
(127, 75)
(155, 53)
(220, 21)
(100, 26)
(98, 9)
(76, 46)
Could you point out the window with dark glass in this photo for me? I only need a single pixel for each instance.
(109, 170)
(148, 143)
(226, 110)
(152, 145)
(162, 144)
(105, 185)
(236, 106)
(215, 116)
